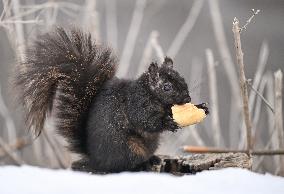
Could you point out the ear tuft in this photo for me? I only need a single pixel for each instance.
(153, 68)
(153, 73)
(168, 62)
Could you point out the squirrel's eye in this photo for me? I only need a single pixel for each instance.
(167, 86)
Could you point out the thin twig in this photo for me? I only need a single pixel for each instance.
(186, 28)
(217, 134)
(91, 19)
(131, 38)
(9, 123)
(17, 145)
(69, 5)
(147, 53)
(159, 51)
(9, 152)
(243, 83)
(257, 110)
(6, 8)
(111, 23)
(24, 13)
(195, 74)
(33, 8)
(20, 22)
(51, 16)
(254, 13)
(20, 33)
(262, 62)
(151, 44)
(261, 96)
(60, 159)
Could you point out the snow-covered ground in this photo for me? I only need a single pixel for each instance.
(33, 180)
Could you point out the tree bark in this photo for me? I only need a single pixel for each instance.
(190, 164)
(194, 163)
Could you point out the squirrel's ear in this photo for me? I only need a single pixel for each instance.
(153, 72)
(153, 68)
(168, 62)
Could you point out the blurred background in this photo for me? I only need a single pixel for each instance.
(196, 34)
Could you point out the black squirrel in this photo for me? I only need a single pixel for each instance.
(113, 123)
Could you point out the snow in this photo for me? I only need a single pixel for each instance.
(34, 180)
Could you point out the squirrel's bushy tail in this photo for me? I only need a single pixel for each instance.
(63, 70)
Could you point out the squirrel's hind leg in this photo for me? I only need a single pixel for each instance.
(148, 165)
(83, 165)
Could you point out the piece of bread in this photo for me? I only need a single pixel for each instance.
(187, 114)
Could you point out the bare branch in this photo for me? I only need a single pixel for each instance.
(66, 7)
(278, 81)
(217, 134)
(224, 49)
(186, 28)
(91, 18)
(159, 51)
(151, 44)
(9, 152)
(147, 53)
(243, 83)
(51, 15)
(69, 5)
(131, 37)
(6, 7)
(20, 22)
(20, 33)
(17, 145)
(111, 23)
(9, 123)
(61, 160)
(262, 62)
(195, 74)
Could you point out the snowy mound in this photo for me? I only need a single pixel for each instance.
(33, 180)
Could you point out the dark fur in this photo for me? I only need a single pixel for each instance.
(114, 123)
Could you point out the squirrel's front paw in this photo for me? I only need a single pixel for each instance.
(204, 107)
(170, 124)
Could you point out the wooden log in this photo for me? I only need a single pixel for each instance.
(189, 164)
(194, 163)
